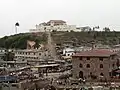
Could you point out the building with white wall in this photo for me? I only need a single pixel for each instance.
(67, 53)
(54, 25)
(82, 48)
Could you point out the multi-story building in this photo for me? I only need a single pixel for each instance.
(116, 48)
(54, 25)
(67, 53)
(2, 53)
(94, 64)
(29, 54)
(82, 48)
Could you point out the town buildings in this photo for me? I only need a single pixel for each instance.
(29, 54)
(2, 53)
(116, 48)
(68, 52)
(94, 64)
(54, 25)
(82, 48)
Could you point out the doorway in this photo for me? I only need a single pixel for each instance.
(80, 74)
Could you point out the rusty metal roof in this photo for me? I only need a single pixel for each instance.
(96, 53)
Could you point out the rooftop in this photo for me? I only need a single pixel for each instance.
(46, 65)
(56, 21)
(95, 53)
(29, 50)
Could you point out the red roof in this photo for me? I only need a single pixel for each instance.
(57, 21)
(96, 53)
(118, 71)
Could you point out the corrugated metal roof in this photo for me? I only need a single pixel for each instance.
(7, 78)
(101, 53)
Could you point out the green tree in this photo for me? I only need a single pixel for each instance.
(106, 29)
(9, 56)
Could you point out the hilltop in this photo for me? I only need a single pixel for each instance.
(19, 41)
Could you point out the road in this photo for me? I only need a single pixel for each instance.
(51, 46)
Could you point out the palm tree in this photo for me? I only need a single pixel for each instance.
(106, 29)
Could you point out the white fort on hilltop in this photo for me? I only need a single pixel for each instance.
(54, 25)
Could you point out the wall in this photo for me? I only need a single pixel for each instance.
(94, 66)
(68, 50)
(28, 55)
(65, 27)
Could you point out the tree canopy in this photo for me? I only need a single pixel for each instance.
(19, 41)
(85, 38)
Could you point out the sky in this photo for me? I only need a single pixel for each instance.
(105, 13)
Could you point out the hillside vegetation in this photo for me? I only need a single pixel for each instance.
(19, 41)
(87, 38)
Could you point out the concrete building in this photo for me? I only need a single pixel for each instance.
(54, 25)
(85, 29)
(116, 48)
(28, 54)
(94, 64)
(67, 53)
(2, 53)
(82, 48)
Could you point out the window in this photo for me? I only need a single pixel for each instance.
(88, 66)
(39, 53)
(80, 65)
(88, 58)
(112, 57)
(80, 58)
(74, 89)
(118, 63)
(90, 73)
(101, 59)
(101, 65)
(113, 65)
(110, 74)
(68, 55)
(101, 74)
(44, 28)
(67, 89)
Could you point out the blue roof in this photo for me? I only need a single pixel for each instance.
(7, 78)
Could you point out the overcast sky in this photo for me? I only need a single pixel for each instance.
(77, 12)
